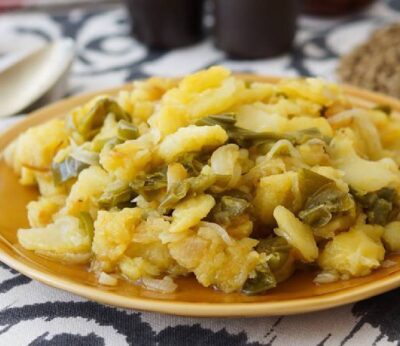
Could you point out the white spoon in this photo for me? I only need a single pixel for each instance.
(36, 79)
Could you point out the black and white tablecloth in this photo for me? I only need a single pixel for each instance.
(33, 314)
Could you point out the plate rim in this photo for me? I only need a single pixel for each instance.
(200, 309)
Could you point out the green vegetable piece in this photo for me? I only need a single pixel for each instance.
(148, 184)
(91, 123)
(191, 186)
(278, 253)
(228, 208)
(316, 217)
(118, 194)
(127, 130)
(380, 206)
(310, 182)
(67, 169)
(280, 257)
(326, 201)
(86, 223)
(85, 156)
(262, 282)
(278, 267)
(273, 244)
(303, 136)
(223, 120)
(201, 183)
(193, 162)
(99, 143)
(247, 138)
(387, 109)
(243, 137)
(177, 192)
(322, 198)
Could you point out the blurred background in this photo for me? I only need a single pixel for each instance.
(117, 41)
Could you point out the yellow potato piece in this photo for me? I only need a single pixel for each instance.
(125, 161)
(85, 192)
(363, 175)
(391, 236)
(273, 191)
(191, 139)
(303, 123)
(64, 236)
(189, 213)
(113, 232)
(40, 212)
(36, 147)
(213, 261)
(136, 268)
(298, 234)
(356, 252)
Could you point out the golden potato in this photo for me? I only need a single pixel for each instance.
(113, 232)
(125, 161)
(189, 213)
(36, 147)
(213, 261)
(41, 212)
(206, 92)
(191, 139)
(363, 175)
(355, 253)
(273, 191)
(63, 237)
(86, 191)
(391, 236)
(297, 234)
(256, 118)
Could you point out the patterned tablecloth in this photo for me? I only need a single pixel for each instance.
(31, 313)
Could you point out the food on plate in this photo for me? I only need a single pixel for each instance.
(234, 182)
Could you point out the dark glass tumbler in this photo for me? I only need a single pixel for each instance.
(165, 24)
(333, 7)
(255, 28)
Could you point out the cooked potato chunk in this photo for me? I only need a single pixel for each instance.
(36, 147)
(113, 233)
(363, 175)
(213, 261)
(136, 268)
(355, 252)
(391, 236)
(273, 191)
(257, 118)
(63, 237)
(298, 234)
(125, 161)
(303, 123)
(85, 192)
(189, 213)
(206, 92)
(40, 212)
(191, 139)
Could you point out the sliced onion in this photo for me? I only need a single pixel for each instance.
(107, 280)
(219, 230)
(85, 156)
(165, 285)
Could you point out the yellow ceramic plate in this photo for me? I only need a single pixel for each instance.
(299, 294)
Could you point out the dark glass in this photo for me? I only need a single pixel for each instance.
(333, 7)
(255, 28)
(164, 24)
